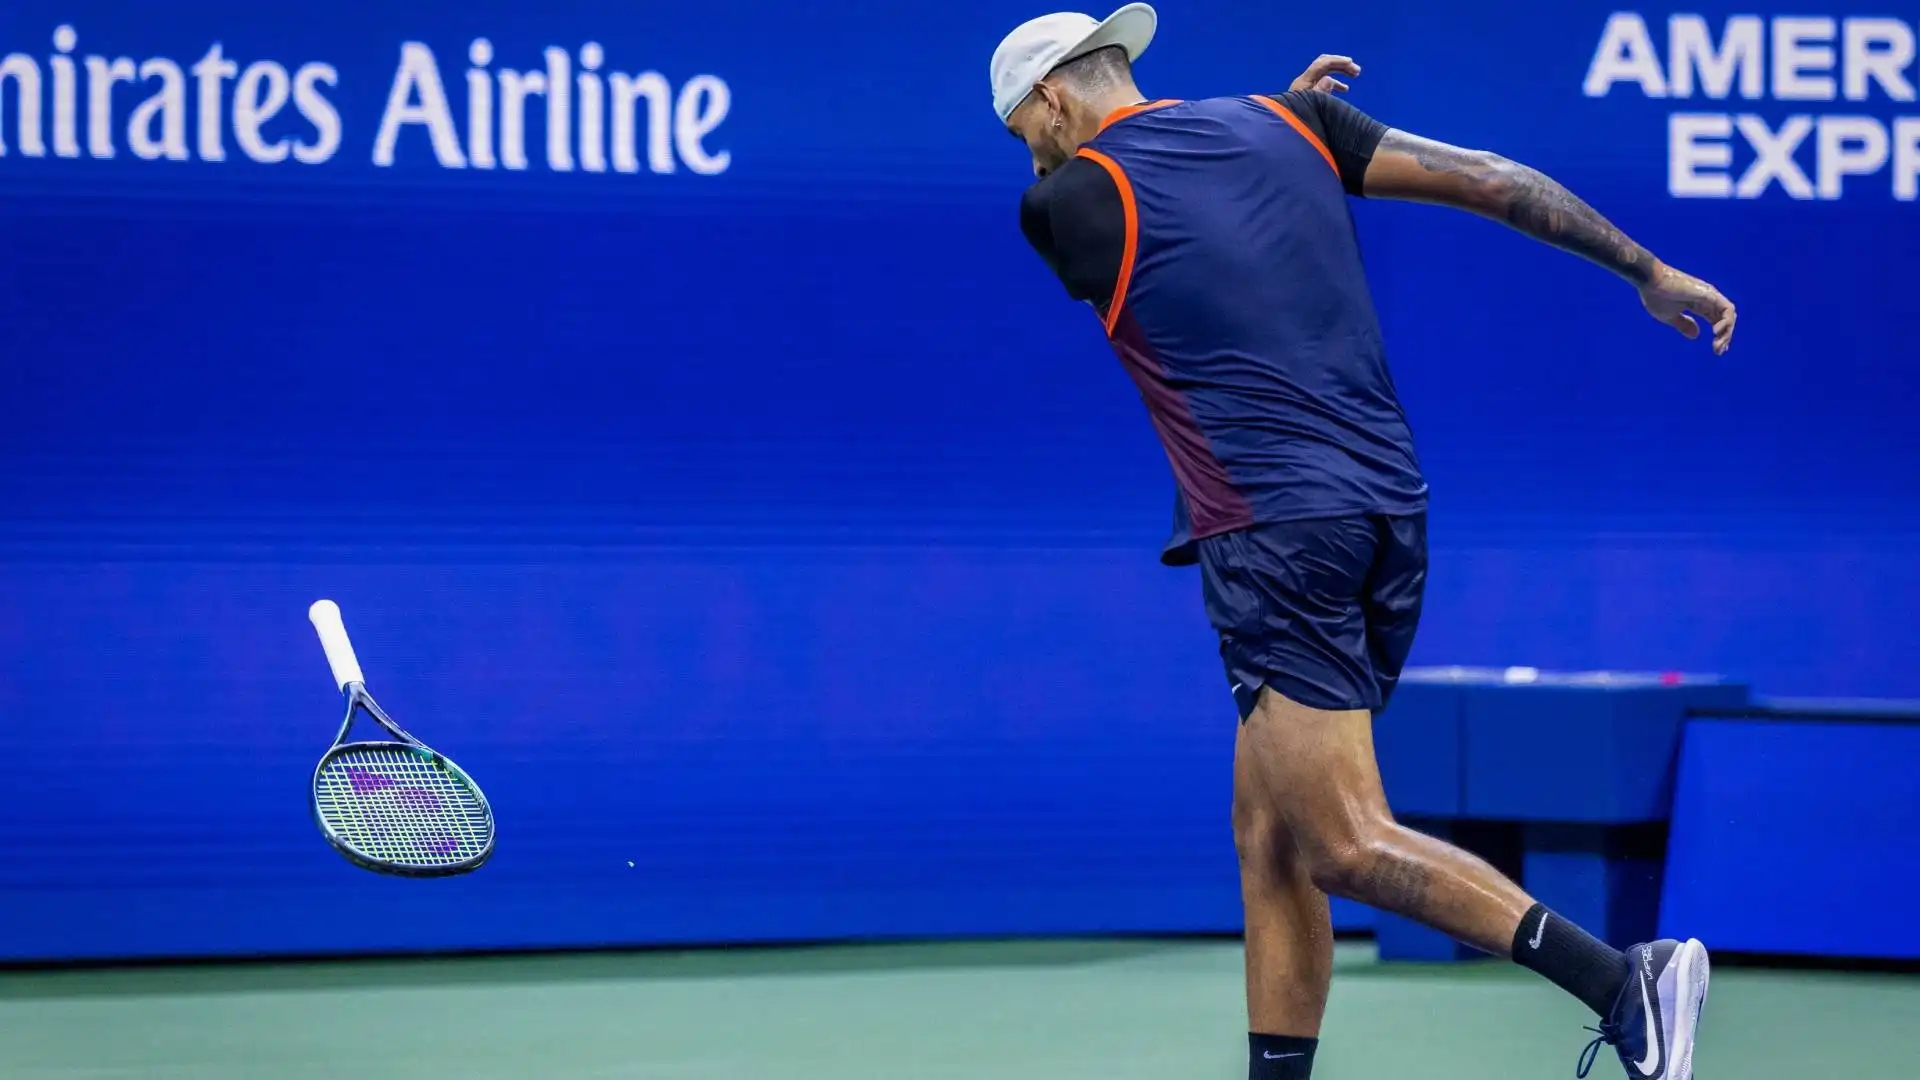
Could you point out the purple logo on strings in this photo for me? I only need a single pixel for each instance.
(418, 800)
(414, 798)
(366, 783)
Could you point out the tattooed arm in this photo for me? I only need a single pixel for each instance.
(1420, 170)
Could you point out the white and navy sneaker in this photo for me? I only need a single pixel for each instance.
(1655, 1017)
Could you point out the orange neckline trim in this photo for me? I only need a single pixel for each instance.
(1125, 111)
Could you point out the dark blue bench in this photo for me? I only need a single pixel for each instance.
(1796, 830)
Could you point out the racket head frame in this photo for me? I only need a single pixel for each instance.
(357, 699)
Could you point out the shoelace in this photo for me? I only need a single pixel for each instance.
(1609, 1035)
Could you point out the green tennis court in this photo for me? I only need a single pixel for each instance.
(1052, 1010)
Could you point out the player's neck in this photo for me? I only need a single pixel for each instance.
(1096, 110)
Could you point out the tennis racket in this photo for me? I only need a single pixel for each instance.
(395, 807)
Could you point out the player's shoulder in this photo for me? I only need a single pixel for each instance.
(1317, 104)
(1332, 118)
(1262, 99)
(1315, 107)
(1073, 181)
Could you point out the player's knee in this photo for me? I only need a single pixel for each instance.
(1268, 855)
(1345, 866)
(1256, 831)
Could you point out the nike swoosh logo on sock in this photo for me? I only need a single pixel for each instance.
(1271, 1056)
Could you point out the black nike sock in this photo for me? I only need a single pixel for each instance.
(1279, 1057)
(1570, 958)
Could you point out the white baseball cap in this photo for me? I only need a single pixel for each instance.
(1035, 48)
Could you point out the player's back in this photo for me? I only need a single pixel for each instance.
(1245, 317)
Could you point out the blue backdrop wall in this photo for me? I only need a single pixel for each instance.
(736, 495)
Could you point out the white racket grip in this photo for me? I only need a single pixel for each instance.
(325, 615)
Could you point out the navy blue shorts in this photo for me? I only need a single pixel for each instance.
(1322, 611)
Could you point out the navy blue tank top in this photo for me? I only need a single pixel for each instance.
(1242, 313)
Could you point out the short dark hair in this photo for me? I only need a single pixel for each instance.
(1099, 70)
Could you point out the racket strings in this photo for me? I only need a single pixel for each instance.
(400, 807)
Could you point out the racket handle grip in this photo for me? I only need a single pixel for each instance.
(325, 615)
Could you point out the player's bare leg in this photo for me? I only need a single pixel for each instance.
(1318, 769)
(1289, 932)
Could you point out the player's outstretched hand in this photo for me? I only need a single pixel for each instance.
(1320, 74)
(1675, 298)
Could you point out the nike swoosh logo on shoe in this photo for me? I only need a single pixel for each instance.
(1651, 1065)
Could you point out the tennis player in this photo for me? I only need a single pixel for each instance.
(1215, 242)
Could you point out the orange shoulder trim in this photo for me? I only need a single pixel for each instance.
(1301, 127)
(1132, 226)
